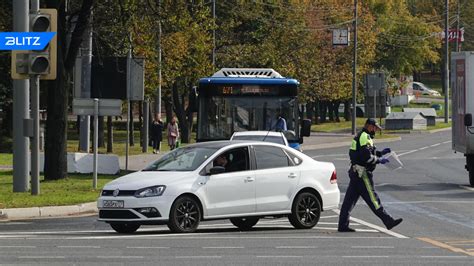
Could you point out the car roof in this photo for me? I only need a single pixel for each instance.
(258, 133)
(224, 143)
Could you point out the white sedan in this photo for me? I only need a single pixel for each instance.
(238, 180)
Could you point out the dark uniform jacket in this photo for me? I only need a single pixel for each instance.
(363, 151)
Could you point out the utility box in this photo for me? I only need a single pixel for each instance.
(408, 121)
(462, 85)
(428, 113)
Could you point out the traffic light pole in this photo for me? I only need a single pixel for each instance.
(35, 102)
(21, 97)
(35, 147)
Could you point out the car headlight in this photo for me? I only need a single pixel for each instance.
(150, 191)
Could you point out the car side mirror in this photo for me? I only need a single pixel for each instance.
(468, 120)
(306, 128)
(217, 170)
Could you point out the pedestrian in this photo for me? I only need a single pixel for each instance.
(173, 133)
(364, 157)
(156, 133)
(281, 123)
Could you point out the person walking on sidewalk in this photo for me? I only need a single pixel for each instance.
(156, 130)
(173, 133)
(364, 158)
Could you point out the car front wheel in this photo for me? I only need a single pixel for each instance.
(124, 228)
(185, 215)
(244, 223)
(305, 211)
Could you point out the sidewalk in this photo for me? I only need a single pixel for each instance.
(137, 162)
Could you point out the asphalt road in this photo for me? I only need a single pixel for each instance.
(430, 193)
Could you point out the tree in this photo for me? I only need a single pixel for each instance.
(55, 166)
(6, 85)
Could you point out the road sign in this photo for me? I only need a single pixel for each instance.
(107, 107)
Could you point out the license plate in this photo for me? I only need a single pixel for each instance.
(113, 204)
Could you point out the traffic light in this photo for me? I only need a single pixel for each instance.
(38, 62)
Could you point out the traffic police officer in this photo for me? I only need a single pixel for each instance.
(364, 157)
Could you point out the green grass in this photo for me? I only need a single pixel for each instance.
(440, 125)
(6, 159)
(76, 189)
(338, 127)
(346, 127)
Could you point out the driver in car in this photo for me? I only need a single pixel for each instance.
(221, 160)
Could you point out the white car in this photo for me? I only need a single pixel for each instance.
(287, 138)
(268, 136)
(185, 187)
(422, 89)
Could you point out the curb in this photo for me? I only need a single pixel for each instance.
(47, 211)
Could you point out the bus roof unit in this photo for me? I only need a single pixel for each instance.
(247, 73)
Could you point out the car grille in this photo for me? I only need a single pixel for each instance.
(123, 193)
(117, 214)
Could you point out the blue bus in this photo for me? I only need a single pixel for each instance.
(243, 99)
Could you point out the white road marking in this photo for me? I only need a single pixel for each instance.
(372, 247)
(468, 188)
(41, 257)
(120, 257)
(222, 247)
(279, 257)
(329, 216)
(147, 247)
(78, 246)
(365, 256)
(296, 247)
(444, 257)
(429, 201)
(198, 257)
(17, 246)
(376, 227)
(422, 148)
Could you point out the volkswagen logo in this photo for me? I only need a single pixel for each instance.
(116, 192)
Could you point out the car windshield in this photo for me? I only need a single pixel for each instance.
(273, 139)
(182, 159)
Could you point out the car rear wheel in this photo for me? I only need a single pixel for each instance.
(124, 228)
(185, 215)
(244, 223)
(306, 211)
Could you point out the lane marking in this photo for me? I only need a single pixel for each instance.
(466, 187)
(279, 257)
(147, 247)
(198, 257)
(365, 256)
(17, 246)
(222, 247)
(120, 257)
(422, 148)
(330, 216)
(444, 257)
(78, 246)
(372, 247)
(41, 257)
(445, 246)
(296, 247)
(376, 227)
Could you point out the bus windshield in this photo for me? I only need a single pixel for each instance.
(221, 116)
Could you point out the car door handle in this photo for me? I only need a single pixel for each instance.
(249, 179)
(292, 175)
